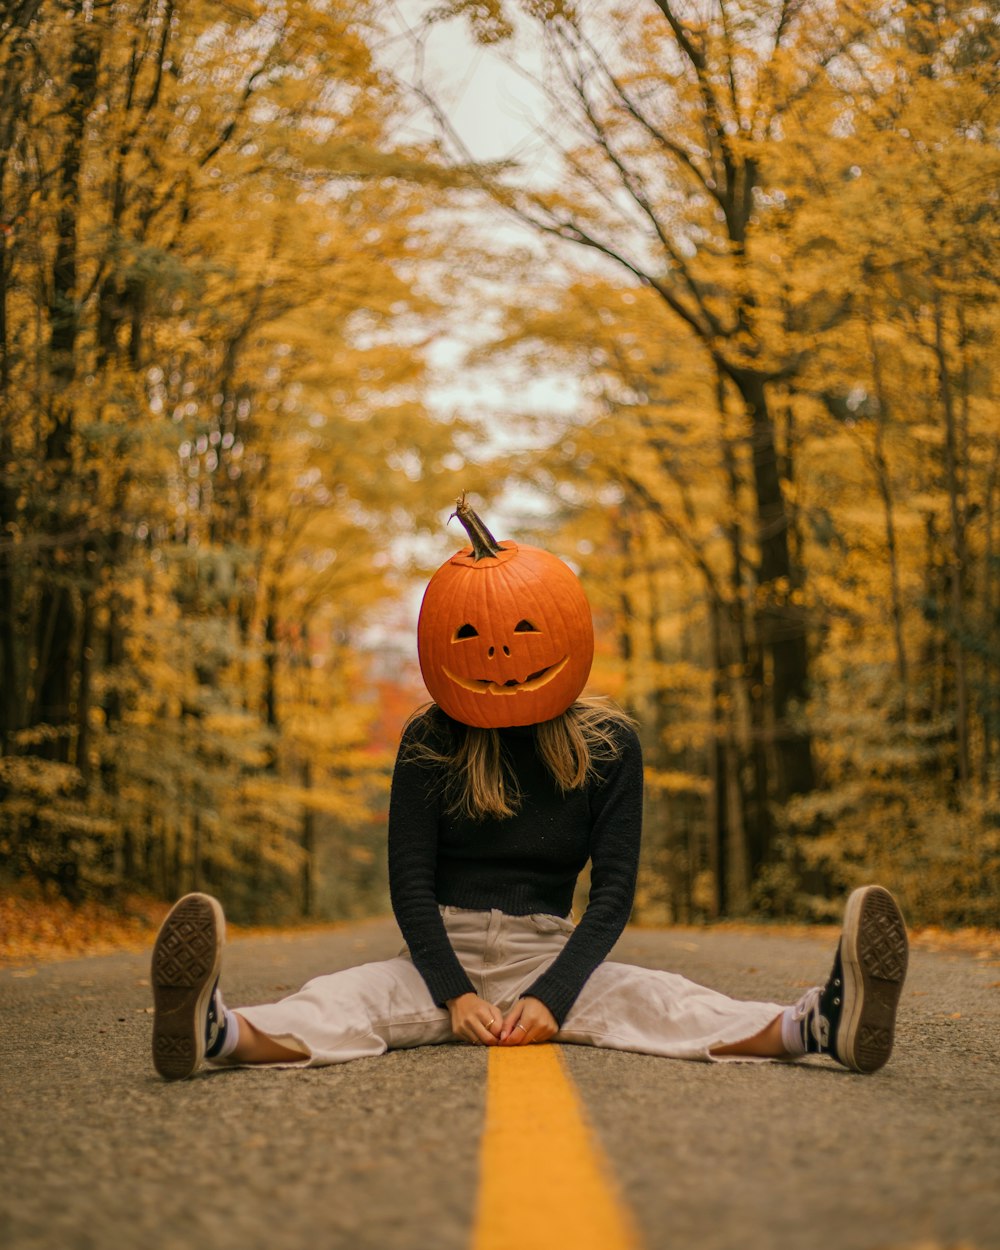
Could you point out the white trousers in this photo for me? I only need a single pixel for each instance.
(382, 1006)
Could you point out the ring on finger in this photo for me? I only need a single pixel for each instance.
(521, 1026)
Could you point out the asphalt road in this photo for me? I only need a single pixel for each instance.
(97, 1152)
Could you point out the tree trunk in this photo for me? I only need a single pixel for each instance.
(956, 516)
(746, 761)
(85, 669)
(308, 844)
(12, 702)
(271, 659)
(991, 684)
(781, 623)
(59, 616)
(720, 748)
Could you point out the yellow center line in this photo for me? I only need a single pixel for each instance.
(543, 1179)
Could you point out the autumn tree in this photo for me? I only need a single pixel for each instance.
(212, 383)
(802, 198)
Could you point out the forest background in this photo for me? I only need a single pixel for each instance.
(748, 246)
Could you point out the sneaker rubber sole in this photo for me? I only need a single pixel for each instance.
(186, 960)
(874, 952)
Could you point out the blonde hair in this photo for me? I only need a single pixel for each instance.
(479, 786)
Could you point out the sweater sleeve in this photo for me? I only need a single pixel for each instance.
(414, 811)
(616, 812)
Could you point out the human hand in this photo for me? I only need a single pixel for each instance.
(475, 1020)
(529, 1020)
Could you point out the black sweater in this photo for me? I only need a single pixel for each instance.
(526, 863)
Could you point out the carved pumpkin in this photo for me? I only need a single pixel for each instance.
(505, 635)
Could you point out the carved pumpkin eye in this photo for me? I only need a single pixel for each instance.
(466, 631)
(525, 627)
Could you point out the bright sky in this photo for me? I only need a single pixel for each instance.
(494, 109)
(492, 106)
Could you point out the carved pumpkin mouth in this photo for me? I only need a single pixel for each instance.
(531, 682)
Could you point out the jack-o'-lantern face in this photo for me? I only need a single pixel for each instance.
(506, 637)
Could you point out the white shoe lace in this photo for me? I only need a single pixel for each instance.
(807, 1013)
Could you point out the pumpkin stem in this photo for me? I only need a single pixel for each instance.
(483, 542)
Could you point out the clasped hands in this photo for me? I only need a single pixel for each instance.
(473, 1019)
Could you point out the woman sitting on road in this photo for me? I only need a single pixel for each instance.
(502, 791)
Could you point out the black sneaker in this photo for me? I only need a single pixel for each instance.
(185, 972)
(853, 1016)
(215, 1023)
